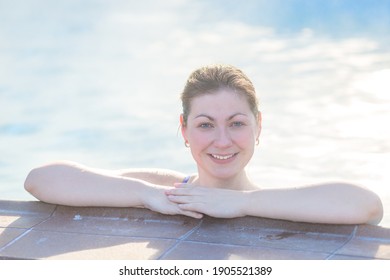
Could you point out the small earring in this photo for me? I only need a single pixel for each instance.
(186, 144)
(257, 142)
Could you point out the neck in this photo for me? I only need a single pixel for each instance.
(238, 182)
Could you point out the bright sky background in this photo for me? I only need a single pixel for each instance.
(330, 17)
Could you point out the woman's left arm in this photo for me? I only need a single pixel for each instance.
(333, 203)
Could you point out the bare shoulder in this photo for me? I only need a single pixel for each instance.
(158, 176)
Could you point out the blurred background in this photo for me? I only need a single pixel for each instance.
(98, 82)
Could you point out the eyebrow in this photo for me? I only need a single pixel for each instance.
(212, 119)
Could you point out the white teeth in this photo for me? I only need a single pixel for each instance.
(222, 157)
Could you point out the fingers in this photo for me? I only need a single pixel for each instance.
(187, 197)
(191, 214)
(180, 198)
(188, 205)
(179, 188)
(175, 209)
(179, 185)
(193, 207)
(183, 189)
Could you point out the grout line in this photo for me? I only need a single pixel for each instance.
(50, 216)
(26, 232)
(143, 237)
(374, 239)
(345, 243)
(179, 240)
(15, 239)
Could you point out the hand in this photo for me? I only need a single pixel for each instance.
(157, 201)
(214, 202)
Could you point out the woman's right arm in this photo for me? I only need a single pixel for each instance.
(72, 184)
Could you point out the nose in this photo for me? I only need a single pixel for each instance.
(222, 139)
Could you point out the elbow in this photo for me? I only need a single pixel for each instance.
(369, 209)
(37, 182)
(40, 180)
(374, 210)
(31, 184)
(363, 206)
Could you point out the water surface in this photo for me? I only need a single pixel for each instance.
(98, 82)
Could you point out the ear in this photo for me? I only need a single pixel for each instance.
(182, 126)
(259, 119)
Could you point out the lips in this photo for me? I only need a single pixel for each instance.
(223, 157)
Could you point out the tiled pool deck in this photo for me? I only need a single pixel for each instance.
(35, 230)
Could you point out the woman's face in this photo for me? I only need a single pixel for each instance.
(221, 131)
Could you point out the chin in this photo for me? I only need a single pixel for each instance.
(224, 175)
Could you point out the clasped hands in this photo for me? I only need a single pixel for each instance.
(195, 201)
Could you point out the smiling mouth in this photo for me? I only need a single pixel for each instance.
(223, 157)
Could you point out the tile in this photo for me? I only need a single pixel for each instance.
(205, 251)
(23, 214)
(30, 230)
(118, 222)
(36, 207)
(346, 257)
(228, 232)
(58, 245)
(369, 242)
(371, 231)
(9, 234)
(115, 212)
(271, 224)
(24, 221)
(10, 258)
(366, 248)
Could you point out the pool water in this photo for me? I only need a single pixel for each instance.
(100, 84)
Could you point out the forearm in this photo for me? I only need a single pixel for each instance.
(277, 204)
(75, 185)
(327, 203)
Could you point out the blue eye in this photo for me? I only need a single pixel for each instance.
(206, 125)
(237, 124)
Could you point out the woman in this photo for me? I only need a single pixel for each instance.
(221, 125)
